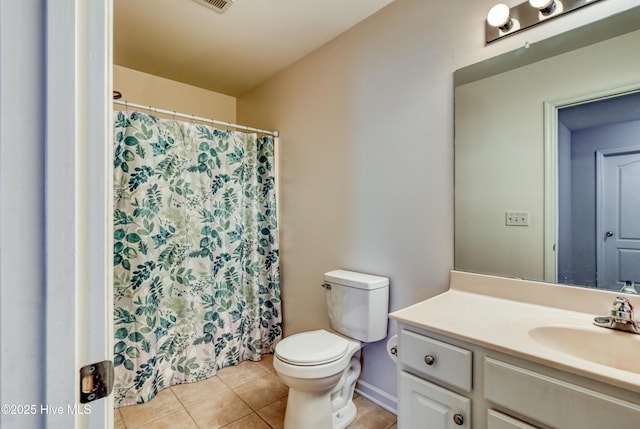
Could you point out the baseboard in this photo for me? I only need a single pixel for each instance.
(379, 397)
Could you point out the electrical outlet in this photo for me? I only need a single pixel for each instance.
(517, 218)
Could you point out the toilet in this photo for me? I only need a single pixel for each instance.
(321, 367)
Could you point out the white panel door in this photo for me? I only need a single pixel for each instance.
(618, 217)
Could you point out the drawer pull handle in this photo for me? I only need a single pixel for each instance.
(458, 419)
(429, 360)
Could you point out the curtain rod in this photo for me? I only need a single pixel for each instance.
(196, 118)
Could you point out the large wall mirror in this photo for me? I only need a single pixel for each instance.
(547, 159)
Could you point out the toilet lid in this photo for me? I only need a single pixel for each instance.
(312, 348)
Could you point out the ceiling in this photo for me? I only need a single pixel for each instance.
(228, 53)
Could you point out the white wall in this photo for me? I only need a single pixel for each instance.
(366, 168)
(150, 90)
(367, 155)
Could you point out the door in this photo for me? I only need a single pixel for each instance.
(425, 405)
(54, 238)
(618, 217)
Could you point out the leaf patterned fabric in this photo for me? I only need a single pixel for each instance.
(196, 263)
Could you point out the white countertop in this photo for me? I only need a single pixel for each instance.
(490, 320)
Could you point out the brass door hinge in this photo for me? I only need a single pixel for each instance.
(96, 381)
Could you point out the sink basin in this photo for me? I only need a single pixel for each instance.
(603, 346)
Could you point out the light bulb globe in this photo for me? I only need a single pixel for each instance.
(498, 15)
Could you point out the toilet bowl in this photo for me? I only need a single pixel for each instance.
(321, 369)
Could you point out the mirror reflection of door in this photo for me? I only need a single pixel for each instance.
(599, 193)
(618, 215)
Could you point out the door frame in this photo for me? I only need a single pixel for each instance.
(551, 226)
(78, 224)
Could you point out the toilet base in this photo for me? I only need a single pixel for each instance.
(307, 410)
(312, 410)
(343, 418)
(331, 408)
(344, 410)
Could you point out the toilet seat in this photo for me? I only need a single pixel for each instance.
(312, 348)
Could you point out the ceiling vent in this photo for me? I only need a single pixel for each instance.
(219, 6)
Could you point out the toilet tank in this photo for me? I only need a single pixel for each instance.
(358, 304)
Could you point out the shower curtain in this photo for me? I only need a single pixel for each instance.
(196, 266)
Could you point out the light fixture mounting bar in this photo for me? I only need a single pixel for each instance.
(527, 16)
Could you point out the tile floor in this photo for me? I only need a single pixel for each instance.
(246, 396)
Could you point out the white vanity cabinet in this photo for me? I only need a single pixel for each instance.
(446, 383)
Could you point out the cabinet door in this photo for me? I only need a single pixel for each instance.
(496, 420)
(424, 405)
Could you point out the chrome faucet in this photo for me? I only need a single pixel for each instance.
(621, 317)
(629, 287)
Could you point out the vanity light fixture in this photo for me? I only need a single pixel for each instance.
(503, 21)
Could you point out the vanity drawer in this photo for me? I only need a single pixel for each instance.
(554, 402)
(436, 360)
